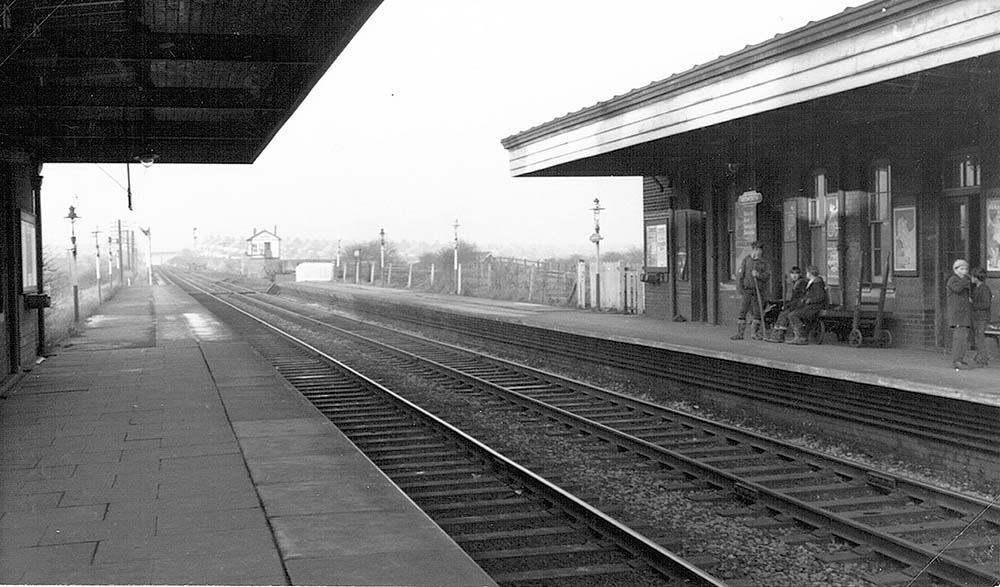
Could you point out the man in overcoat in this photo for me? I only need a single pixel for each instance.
(753, 277)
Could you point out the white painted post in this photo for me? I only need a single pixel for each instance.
(432, 273)
(409, 277)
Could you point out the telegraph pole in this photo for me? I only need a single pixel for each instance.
(458, 278)
(381, 261)
(97, 262)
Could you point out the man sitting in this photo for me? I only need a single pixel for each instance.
(814, 300)
(798, 290)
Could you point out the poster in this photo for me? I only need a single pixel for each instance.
(832, 217)
(745, 225)
(993, 234)
(832, 264)
(791, 217)
(656, 245)
(904, 250)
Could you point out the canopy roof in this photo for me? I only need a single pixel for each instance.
(885, 60)
(191, 81)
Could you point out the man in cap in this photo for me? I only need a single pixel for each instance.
(959, 312)
(752, 278)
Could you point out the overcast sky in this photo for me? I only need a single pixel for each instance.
(403, 132)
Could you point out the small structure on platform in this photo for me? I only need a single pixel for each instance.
(314, 271)
(263, 254)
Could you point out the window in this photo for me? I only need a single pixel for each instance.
(817, 203)
(963, 171)
(879, 204)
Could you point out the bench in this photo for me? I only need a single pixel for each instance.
(993, 333)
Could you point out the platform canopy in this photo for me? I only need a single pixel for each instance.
(877, 63)
(189, 81)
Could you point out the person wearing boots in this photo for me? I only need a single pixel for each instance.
(959, 288)
(798, 290)
(982, 302)
(753, 276)
(813, 300)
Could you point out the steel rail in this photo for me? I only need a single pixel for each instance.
(945, 567)
(660, 558)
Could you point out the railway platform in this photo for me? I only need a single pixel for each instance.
(912, 370)
(157, 448)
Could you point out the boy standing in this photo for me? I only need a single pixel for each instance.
(959, 312)
(982, 301)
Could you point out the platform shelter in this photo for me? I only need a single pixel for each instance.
(865, 144)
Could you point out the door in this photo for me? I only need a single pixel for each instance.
(959, 225)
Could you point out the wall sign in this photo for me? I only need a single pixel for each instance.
(745, 231)
(904, 250)
(29, 266)
(993, 234)
(656, 245)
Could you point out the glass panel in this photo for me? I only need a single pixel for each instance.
(955, 223)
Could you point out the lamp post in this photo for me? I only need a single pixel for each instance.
(72, 216)
(381, 261)
(458, 278)
(357, 266)
(97, 262)
(596, 239)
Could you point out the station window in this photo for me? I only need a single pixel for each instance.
(963, 171)
(879, 204)
(817, 201)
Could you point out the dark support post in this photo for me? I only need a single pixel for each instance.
(121, 257)
(36, 188)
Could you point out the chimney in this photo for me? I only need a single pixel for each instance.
(275, 230)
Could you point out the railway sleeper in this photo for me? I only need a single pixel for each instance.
(433, 486)
(570, 575)
(406, 450)
(523, 538)
(420, 464)
(502, 502)
(540, 559)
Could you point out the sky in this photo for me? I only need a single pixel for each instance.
(403, 132)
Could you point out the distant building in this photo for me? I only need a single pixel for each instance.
(264, 244)
(263, 254)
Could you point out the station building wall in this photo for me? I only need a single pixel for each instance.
(18, 218)
(871, 175)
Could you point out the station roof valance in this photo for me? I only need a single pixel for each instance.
(870, 59)
(193, 81)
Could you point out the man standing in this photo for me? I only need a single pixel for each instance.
(752, 279)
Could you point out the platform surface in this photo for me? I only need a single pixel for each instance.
(158, 448)
(913, 370)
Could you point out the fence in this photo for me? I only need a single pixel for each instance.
(512, 279)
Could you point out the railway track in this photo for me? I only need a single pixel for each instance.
(520, 528)
(961, 426)
(928, 532)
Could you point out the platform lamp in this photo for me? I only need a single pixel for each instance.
(596, 239)
(72, 216)
(381, 261)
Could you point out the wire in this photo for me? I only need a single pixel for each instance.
(34, 31)
(952, 541)
(113, 178)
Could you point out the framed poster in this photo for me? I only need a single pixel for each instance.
(832, 264)
(656, 246)
(833, 217)
(993, 235)
(29, 265)
(904, 250)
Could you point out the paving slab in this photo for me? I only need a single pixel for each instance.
(158, 448)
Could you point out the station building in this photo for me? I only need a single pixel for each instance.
(867, 144)
(129, 81)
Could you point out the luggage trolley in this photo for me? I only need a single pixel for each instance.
(879, 335)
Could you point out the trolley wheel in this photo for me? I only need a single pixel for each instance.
(817, 332)
(885, 339)
(855, 339)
